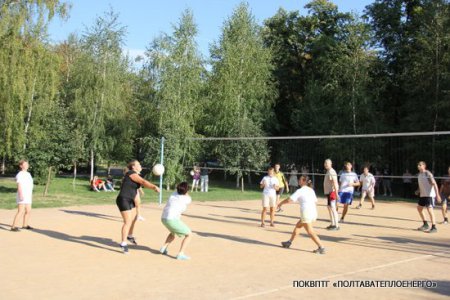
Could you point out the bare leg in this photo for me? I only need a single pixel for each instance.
(20, 212)
(420, 210)
(344, 212)
(312, 234)
(185, 242)
(444, 210)
(296, 231)
(272, 216)
(263, 215)
(431, 213)
(26, 216)
(127, 221)
(169, 240)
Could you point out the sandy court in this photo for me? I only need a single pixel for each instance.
(73, 254)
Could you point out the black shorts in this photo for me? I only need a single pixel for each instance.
(124, 204)
(425, 201)
(280, 191)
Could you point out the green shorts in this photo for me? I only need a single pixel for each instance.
(176, 227)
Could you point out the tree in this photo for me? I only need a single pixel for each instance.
(176, 71)
(241, 84)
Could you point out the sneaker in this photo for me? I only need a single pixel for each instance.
(433, 230)
(329, 227)
(373, 207)
(444, 222)
(279, 210)
(334, 228)
(272, 225)
(286, 244)
(124, 249)
(342, 221)
(163, 251)
(28, 227)
(263, 225)
(140, 218)
(183, 257)
(132, 240)
(359, 206)
(15, 229)
(320, 250)
(423, 228)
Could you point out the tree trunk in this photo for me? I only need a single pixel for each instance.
(30, 110)
(249, 178)
(47, 185)
(242, 183)
(109, 168)
(237, 180)
(92, 164)
(74, 173)
(3, 164)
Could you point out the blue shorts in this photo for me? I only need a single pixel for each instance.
(345, 198)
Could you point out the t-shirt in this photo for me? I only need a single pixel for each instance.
(387, 172)
(446, 186)
(204, 172)
(280, 177)
(307, 199)
(328, 185)
(345, 180)
(26, 184)
(269, 183)
(368, 182)
(128, 189)
(175, 206)
(426, 181)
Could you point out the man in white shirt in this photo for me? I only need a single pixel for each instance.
(348, 181)
(270, 185)
(367, 187)
(428, 189)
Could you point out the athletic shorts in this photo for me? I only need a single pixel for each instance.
(280, 191)
(425, 201)
(331, 197)
(444, 198)
(124, 204)
(308, 216)
(176, 226)
(345, 198)
(269, 200)
(370, 193)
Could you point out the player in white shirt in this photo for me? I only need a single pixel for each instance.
(270, 185)
(348, 181)
(428, 189)
(307, 199)
(24, 196)
(171, 215)
(367, 187)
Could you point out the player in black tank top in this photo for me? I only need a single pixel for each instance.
(131, 182)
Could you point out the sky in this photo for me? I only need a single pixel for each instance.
(146, 19)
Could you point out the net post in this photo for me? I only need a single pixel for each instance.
(161, 177)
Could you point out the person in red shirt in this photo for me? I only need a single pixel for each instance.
(97, 184)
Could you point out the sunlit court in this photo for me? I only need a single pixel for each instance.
(73, 254)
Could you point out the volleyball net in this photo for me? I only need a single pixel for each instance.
(389, 155)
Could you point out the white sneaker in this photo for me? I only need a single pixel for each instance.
(140, 218)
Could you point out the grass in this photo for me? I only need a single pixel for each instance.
(62, 193)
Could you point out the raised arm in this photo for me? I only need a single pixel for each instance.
(138, 179)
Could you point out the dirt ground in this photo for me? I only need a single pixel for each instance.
(73, 253)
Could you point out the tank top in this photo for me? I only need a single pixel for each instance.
(128, 188)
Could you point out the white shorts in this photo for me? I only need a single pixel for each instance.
(369, 193)
(25, 201)
(195, 182)
(308, 216)
(269, 200)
